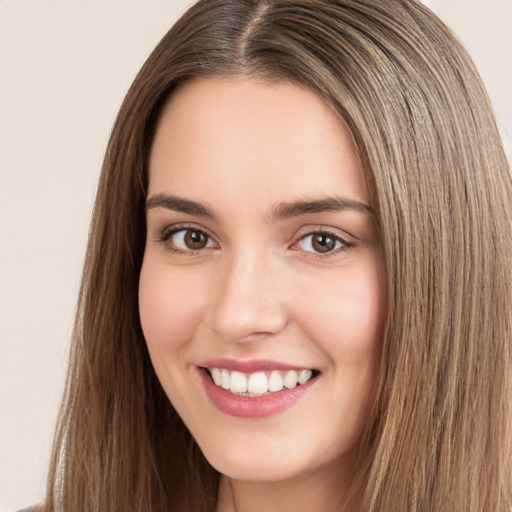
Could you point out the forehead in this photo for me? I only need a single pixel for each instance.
(242, 136)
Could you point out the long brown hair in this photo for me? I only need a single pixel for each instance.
(439, 437)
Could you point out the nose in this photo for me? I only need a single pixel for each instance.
(249, 301)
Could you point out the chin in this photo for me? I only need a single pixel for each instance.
(266, 460)
(254, 470)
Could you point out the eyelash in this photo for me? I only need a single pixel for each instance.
(172, 230)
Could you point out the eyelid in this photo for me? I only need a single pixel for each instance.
(322, 228)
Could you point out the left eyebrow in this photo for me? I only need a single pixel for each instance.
(284, 211)
(178, 204)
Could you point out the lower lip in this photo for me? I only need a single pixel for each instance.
(253, 407)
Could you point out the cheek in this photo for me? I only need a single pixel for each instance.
(346, 316)
(169, 313)
(347, 322)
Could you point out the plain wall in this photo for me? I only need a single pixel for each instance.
(64, 69)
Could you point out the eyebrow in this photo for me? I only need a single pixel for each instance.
(178, 204)
(328, 204)
(281, 211)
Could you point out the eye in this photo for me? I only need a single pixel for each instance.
(321, 242)
(188, 239)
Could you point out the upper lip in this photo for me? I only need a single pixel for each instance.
(250, 366)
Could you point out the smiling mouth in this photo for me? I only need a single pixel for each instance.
(259, 383)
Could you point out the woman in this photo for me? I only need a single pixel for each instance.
(297, 288)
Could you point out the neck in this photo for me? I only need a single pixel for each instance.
(323, 490)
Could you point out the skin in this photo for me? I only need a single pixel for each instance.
(259, 289)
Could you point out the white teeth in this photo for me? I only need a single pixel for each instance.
(216, 376)
(275, 382)
(304, 376)
(258, 383)
(225, 381)
(290, 379)
(238, 382)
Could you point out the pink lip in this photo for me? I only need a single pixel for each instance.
(252, 407)
(255, 365)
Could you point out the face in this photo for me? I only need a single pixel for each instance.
(262, 290)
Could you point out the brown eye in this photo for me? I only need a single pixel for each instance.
(188, 239)
(323, 243)
(195, 240)
(320, 243)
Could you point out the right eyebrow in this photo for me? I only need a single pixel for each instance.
(178, 204)
(284, 211)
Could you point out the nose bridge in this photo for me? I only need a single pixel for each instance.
(249, 299)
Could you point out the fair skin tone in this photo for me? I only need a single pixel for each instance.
(261, 246)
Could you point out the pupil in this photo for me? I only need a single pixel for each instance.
(323, 243)
(195, 240)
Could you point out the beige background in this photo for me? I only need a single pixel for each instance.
(64, 68)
